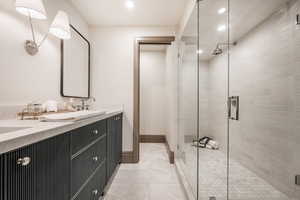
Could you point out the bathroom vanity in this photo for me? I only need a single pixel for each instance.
(65, 161)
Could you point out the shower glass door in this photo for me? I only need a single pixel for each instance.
(213, 66)
(264, 82)
(188, 105)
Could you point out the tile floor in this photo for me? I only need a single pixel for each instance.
(244, 184)
(151, 179)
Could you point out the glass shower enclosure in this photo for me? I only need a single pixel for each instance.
(239, 100)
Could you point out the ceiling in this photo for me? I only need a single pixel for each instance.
(244, 16)
(145, 12)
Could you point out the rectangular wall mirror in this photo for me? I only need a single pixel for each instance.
(75, 66)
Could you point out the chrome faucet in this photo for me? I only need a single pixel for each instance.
(84, 105)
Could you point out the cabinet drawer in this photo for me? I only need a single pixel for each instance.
(85, 164)
(82, 137)
(95, 187)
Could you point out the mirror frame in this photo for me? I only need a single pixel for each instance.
(62, 66)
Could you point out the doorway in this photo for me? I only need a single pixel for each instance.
(139, 41)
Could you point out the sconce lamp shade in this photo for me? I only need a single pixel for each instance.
(32, 8)
(61, 26)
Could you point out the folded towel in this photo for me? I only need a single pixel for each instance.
(206, 142)
(212, 145)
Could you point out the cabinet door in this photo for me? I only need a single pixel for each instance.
(110, 145)
(119, 138)
(40, 171)
(114, 141)
(2, 178)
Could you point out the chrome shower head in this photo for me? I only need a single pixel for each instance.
(217, 51)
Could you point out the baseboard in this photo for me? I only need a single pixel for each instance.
(152, 138)
(170, 153)
(127, 157)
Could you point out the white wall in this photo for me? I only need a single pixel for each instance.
(25, 78)
(112, 69)
(153, 93)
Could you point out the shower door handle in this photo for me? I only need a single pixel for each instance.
(233, 107)
(228, 107)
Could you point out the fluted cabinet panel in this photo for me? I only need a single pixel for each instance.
(46, 176)
(2, 164)
(21, 179)
(114, 144)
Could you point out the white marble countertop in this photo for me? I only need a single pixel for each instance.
(35, 131)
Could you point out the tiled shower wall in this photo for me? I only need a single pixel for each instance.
(265, 73)
(188, 95)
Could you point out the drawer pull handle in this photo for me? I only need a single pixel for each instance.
(24, 161)
(95, 192)
(95, 132)
(95, 159)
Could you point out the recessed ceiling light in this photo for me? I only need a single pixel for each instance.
(222, 28)
(221, 11)
(200, 51)
(130, 4)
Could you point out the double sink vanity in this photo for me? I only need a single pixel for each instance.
(59, 160)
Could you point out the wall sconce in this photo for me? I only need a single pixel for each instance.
(34, 9)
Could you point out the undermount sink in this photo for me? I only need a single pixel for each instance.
(72, 116)
(4, 130)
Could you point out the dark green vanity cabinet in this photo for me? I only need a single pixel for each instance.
(71, 166)
(114, 144)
